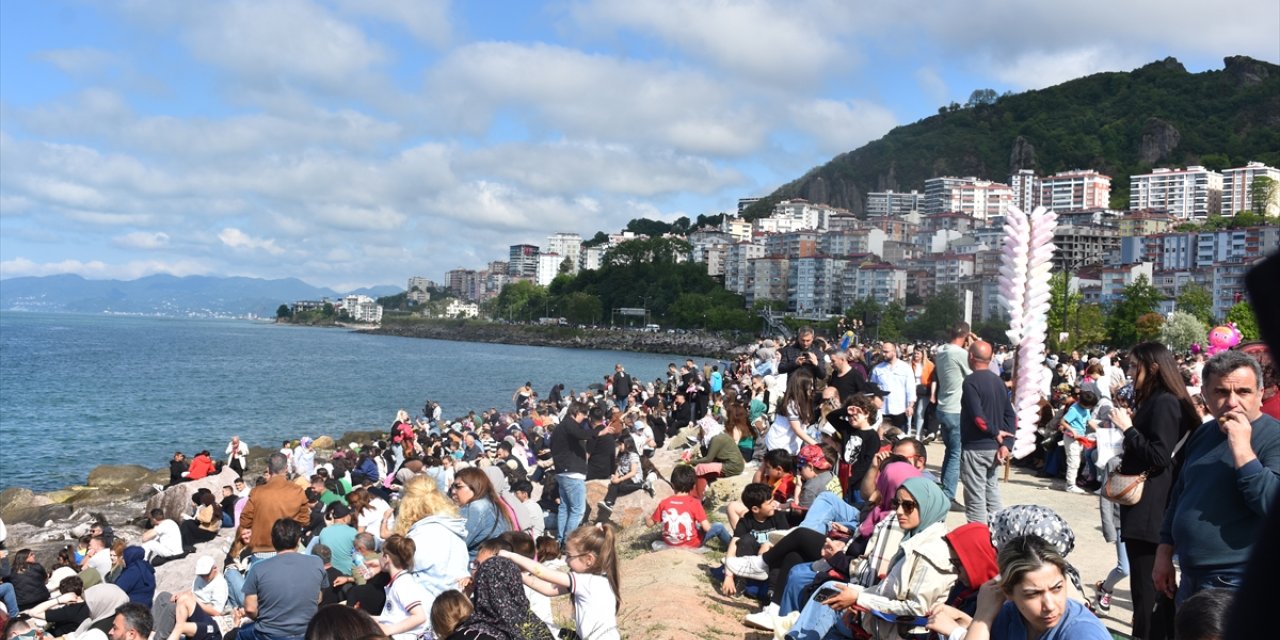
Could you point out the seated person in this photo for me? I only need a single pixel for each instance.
(776, 469)
(975, 562)
(750, 537)
(814, 463)
(683, 520)
(720, 458)
(920, 575)
(63, 614)
(163, 541)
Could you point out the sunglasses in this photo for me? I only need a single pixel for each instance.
(908, 506)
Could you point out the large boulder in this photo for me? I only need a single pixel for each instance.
(15, 499)
(125, 477)
(324, 442)
(38, 514)
(176, 500)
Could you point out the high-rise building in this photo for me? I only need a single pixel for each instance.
(567, 245)
(1238, 190)
(548, 268)
(416, 292)
(1077, 190)
(1026, 189)
(981, 199)
(1193, 192)
(523, 261)
(892, 203)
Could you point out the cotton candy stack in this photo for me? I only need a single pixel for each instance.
(1025, 263)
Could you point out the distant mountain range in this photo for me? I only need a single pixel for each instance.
(165, 295)
(1121, 124)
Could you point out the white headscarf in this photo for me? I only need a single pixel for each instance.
(710, 429)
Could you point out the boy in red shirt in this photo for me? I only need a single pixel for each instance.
(683, 520)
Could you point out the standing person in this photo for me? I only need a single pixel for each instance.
(281, 593)
(267, 503)
(803, 354)
(1164, 415)
(844, 377)
(895, 376)
(951, 367)
(569, 454)
(987, 425)
(238, 455)
(622, 383)
(1227, 487)
(304, 458)
(922, 370)
(795, 412)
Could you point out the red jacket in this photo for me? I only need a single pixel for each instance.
(201, 466)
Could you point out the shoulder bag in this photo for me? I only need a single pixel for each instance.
(1126, 490)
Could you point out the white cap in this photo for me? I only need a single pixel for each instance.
(204, 564)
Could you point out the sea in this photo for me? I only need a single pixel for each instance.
(78, 391)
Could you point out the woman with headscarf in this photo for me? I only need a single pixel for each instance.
(304, 458)
(501, 607)
(138, 579)
(103, 600)
(721, 458)
(919, 577)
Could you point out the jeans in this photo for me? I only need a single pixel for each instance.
(817, 620)
(951, 460)
(573, 503)
(235, 587)
(1119, 571)
(797, 579)
(1195, 580)
(978, 472)
(10, 599)
(718, 531)
(917, 416)
(248, 632)
(827, 508)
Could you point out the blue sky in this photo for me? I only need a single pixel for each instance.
(360, 142)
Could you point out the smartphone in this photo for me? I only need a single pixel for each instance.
(826, 593)
(917, 621)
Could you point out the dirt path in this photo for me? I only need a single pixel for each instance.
(668, 594)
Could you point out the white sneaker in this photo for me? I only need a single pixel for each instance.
(1074, 489)
(763, 619)
(749, 567)
(783, 624)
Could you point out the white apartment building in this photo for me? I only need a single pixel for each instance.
(568, 245)
(892, 203)
(362, 309)
(417, 290)
(981, 199)
(1193, 192)
(882, 282)
(1077, 190)
(840, 244)
(592, 257)
(1237, 189)
(1115, 279)
(548, 268)
(738, 228)
(1025, 185)
(460, 309)
(737, 265)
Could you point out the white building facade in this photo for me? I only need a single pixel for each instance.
(1193, 192)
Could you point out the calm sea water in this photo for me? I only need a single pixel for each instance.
(77, 391)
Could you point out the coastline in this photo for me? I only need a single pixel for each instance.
(701, 344)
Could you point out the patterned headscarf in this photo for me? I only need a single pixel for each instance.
(501, 606)
(1033, 519)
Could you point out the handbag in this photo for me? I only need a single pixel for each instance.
(1126, 490)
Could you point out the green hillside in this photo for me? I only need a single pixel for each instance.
(1118, 123)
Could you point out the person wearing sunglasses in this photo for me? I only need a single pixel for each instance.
(921, 574)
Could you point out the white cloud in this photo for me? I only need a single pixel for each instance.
(79, 60)
(594, 97)
(427, 20)
(839, 126)
(1039, 69)
(142, 240)
(237, 239)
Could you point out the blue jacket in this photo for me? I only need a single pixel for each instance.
(137, 579)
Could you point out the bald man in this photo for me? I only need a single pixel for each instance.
(987, 425)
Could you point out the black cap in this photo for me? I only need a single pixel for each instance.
(870, 388)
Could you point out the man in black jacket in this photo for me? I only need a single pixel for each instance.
(803, 353)
(569, 453)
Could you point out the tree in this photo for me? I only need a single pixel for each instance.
(893, 322)
(1136, 300)
(566, 266)
(982, 97)
(329, 311)
(1062, 308)
(1148, 326)
(1196, 301)
(283, 312)
(1264, 195)
(941, 312)
(580, 307)
(1242, 314)
(1088, 327)
(1183, 330)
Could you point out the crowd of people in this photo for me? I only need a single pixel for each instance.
(466, 528)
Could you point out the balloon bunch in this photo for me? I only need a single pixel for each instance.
(1025, 262)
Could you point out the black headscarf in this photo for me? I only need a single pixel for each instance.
(501, 607)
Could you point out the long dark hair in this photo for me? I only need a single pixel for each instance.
(1160, 373)
(482, 489)
(800, 390)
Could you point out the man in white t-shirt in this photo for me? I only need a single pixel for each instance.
(163, 539)
(98, 556)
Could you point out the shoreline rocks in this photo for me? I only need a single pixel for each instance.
(700, 344)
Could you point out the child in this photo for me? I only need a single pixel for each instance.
(750, 537)
(403, 617)
(1074, 426)
(625, 478)
(776, 470)
(815, 472)
(523, 544)
(592, 579)
(684, 521)
(450, 609)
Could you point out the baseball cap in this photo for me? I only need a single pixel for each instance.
(811, 455)
(870, 388)
(204, 564)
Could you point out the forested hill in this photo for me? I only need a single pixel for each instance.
(1118, 123)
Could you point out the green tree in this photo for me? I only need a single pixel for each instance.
(566, 266)
(982, 97)
(1088, 327)
(940, 313)
(1264, 194)
(1136, 300)
(1149, 326)
(1242, 314)
(521, 300)
(893, 322)
(283, 312)
(1182, 330)
(1063, 307)
(1197, 301)
(581, 308)
(328, 311)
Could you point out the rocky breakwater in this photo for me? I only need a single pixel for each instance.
(695, 343)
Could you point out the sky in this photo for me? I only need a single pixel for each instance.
(353, 143)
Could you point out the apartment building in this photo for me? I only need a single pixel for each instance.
(892, 203)
(1115, 279)
(852, 242)
(362, 309)
(1077, 190)
(737, 265)
(814, 284)
(1145, 223)
(768, 279)
(738, 228)
(1025, 185)
(416, 291)
(567, 245)
(1084, 244)
(548, 268)
(981, 199)
(882, 282)
(1238, 194)
(1193, 192)
(522, 261)
(592, 257)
